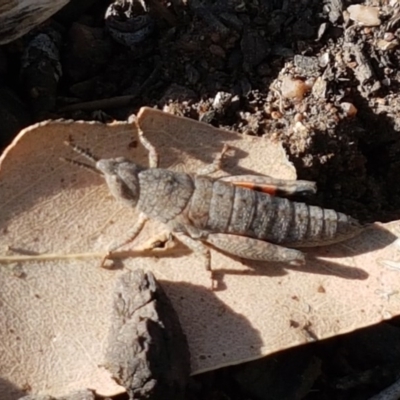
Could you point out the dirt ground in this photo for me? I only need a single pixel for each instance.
(308, 73)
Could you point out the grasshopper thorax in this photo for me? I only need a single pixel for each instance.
(122, 177)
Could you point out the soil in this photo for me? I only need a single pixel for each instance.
(300, 72)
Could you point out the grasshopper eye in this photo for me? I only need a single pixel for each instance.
(122, 179)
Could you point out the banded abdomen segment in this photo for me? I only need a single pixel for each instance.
(281, 221)
(220, 207)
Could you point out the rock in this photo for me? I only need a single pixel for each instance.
(41, 71)
(306, 66)
(349, 109)
(147, 351)
(319, 88)
(20, 16)
(364, 15)
(294, 89)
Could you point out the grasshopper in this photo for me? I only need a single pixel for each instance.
(245, 216)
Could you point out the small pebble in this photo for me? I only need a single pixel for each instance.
(381, 100)
(217, 51)
(301, 107)
(298, 117)
(349, 109)
(293, 88)
(364, 15)
(319, 88)
(385, 45)
(300, 129)
(215, 37)
(276, 115)
(388, 36)
(222, 100)
(324, 59)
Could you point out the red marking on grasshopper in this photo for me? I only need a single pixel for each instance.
(269, 189)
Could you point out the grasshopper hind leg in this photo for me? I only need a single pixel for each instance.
(255, 249)
(273, 186)
(261, 183)
(198, 246)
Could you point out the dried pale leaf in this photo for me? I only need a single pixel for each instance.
(56, 314)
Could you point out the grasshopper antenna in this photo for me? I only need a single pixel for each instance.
(80, 150)
(83, 152)
(81, 165)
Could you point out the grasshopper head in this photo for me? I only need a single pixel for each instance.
(122, 179)
(120, 174)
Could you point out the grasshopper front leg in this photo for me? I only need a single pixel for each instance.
(254, 249)
(130, 237)
(216, 164)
